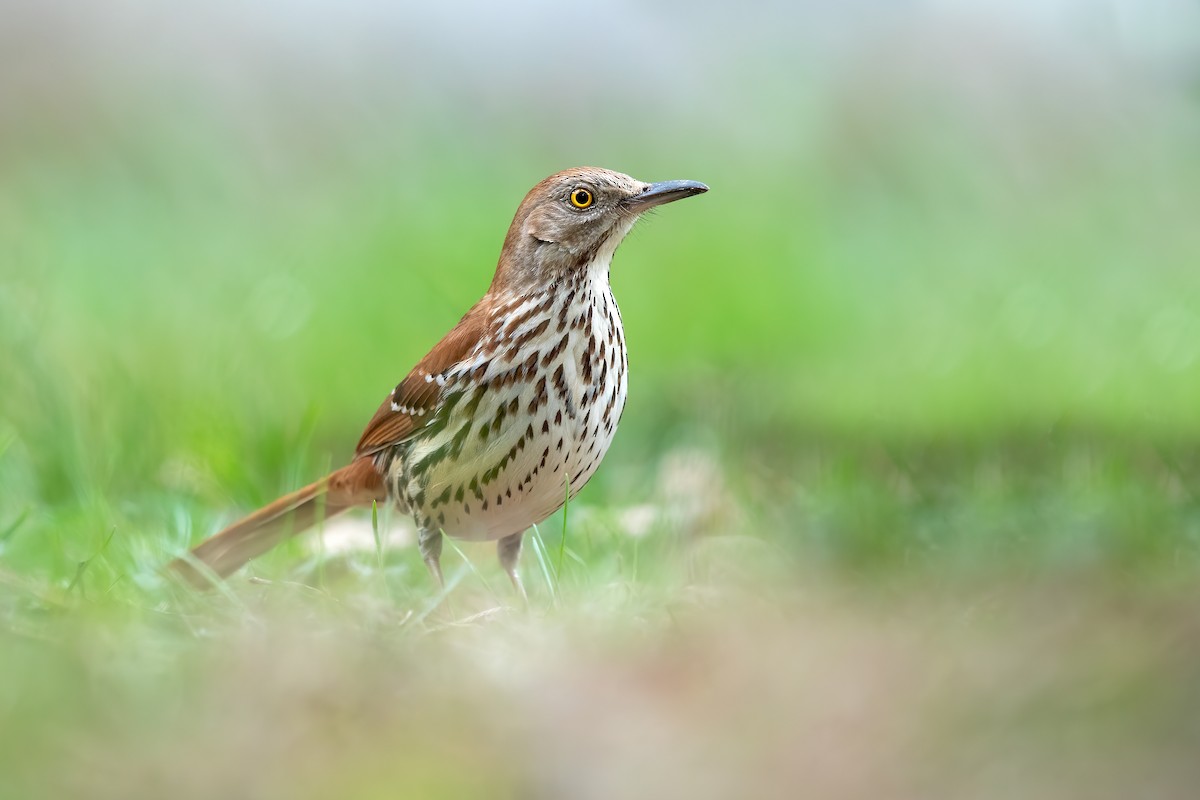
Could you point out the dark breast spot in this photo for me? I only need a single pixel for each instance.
(540, 395)
(554, 352)
(441, 499)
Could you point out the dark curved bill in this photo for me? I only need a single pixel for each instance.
(664, 192)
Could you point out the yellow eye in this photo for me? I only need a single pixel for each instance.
(582, 198)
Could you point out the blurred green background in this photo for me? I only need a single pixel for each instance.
(928, 351)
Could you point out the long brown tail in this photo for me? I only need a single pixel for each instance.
(356, 484)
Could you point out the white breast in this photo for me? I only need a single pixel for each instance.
(553, 388)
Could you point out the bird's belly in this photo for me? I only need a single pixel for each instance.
(502, 461)
(512, 474)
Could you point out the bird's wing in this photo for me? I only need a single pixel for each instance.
(414, 401)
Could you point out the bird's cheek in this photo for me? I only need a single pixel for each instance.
(540, 226)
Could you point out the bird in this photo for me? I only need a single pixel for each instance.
(511, 411)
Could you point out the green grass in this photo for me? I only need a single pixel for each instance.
(904, 501)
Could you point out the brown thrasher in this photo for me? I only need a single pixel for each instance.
(522, 396)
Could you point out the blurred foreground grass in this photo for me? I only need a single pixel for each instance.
(903, 504)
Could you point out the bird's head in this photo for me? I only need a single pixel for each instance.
(574, 220)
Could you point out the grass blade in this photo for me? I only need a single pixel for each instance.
(375, 532)
(539, 550)
(12, 528)
(562, 542)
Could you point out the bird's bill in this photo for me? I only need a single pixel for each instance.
(656, 194)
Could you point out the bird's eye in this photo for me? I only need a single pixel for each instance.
(582, 198)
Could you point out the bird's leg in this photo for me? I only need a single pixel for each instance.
(430, 543)
(509, 551)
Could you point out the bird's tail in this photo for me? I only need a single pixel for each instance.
(223, 553)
